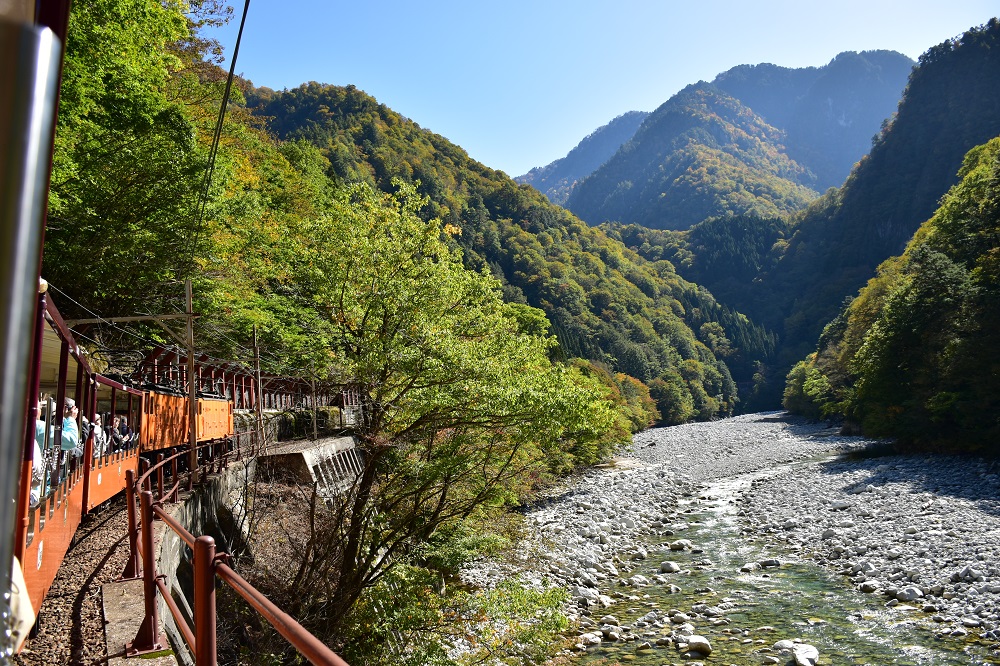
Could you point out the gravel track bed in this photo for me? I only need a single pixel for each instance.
(71, 620)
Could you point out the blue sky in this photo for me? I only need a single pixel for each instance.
(518, 83)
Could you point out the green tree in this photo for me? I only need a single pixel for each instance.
(127, 164)
(460, 409)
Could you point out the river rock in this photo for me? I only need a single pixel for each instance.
(805, 655)
(909, 593)
(869, 586)
(699, 644)
(669, 567)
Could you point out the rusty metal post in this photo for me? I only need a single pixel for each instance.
(204, 601)
(148, 638)
(57, 417)
(88, 448)
(27, 454)
(132, 567)
(173, 479)
(191, 472)
(159, 477)
(258, 389)
(192, 384)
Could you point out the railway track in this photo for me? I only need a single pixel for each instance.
(71, 621)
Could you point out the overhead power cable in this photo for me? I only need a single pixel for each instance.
(210, 168)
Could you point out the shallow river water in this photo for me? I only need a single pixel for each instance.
(798, 600)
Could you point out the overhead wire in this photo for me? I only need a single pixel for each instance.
(213, 152)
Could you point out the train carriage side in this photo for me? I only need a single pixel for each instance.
(67, 468)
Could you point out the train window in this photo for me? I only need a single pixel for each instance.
(44, 468)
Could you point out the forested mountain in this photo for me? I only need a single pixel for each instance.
(807, 266)
(557, 180)
(724, 254)
(701, 154)
(916, 355)
(951, 104)
(604, 302)
(466, 404)
(758, 140)
(828, 113)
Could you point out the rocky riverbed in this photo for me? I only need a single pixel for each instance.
(754, 540)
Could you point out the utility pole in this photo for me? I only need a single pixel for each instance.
(315, 402)
(192, 386)
(260, 392)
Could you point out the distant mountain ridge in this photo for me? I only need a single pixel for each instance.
(701, 154)
(686, 164)
(951, 104)
(557, 179)
(828, 113)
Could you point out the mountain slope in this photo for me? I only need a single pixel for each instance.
(916, 355)
(951, 104)
(701, 154)
(604, 302)
(557, 179)
(828, 113)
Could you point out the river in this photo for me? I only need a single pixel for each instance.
(752, 534)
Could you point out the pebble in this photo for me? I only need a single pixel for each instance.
(911, 528)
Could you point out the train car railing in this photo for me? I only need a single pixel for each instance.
(208, 565)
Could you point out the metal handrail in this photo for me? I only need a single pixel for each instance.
(307, 644)
(207, 565)
(168, 598)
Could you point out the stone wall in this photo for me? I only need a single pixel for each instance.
(214, 508)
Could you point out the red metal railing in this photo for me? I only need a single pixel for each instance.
(207, 565)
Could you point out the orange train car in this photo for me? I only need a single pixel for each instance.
(164, 422)
(63, 475)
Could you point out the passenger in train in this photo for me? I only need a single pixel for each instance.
(100, 439)
(37, 458)
(126, 432)
(113, 435)
(70, 435)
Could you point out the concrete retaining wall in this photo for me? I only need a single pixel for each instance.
(217, 507)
